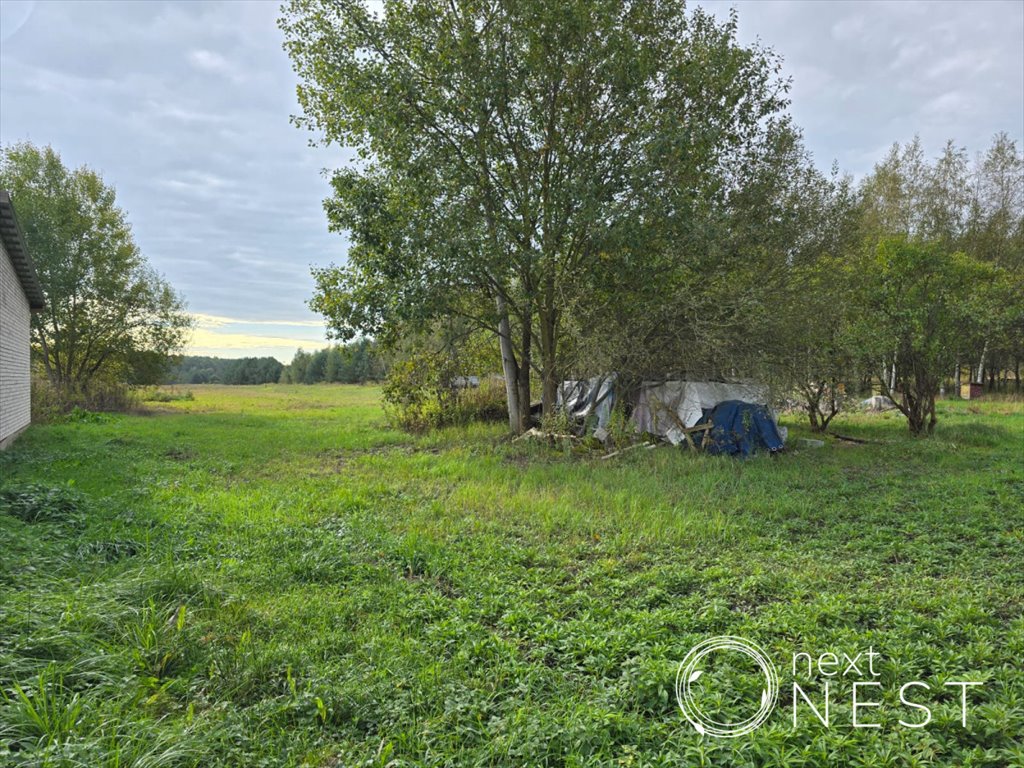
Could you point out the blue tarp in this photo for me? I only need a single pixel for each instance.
(741, 428)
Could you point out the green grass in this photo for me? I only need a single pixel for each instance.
(268, 576)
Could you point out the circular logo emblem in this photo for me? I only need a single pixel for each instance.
(690, 670)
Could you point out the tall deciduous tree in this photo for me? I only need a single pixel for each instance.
(979, 211)
(813, 310)
(917, 306)
(104, 303)
(995, 234)
(512, 157)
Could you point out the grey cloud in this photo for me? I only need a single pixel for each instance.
(868, 74)
(849, 28)
(185, 108)
(209, 61)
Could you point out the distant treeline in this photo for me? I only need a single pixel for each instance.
(353, 363)
(219, 370)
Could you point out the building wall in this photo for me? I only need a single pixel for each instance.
(15, 384)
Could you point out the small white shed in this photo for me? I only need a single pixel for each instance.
(20, 296)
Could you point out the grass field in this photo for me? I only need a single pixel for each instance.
(269, 576)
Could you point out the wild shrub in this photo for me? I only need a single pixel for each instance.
(415, 394)
(106, 396)
(83, 416)
(47, 404)
(422, 393)
(557, 423)
(621, 430)
(51, 403)
(483, 403)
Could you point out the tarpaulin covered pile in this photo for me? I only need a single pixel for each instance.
(589, 401)
(669, 409)
(739, 429)
(666, 408)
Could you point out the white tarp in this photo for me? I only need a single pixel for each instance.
(666, 408)
(588, 397)
(877, 403)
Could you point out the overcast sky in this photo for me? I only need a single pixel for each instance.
(184, 108)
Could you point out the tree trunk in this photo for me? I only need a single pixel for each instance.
(917, 415)
(50, 372)
(956, 380)
(833, 406)
(812, 413)
(509, 368)
(813, 396)
(548, 352)
(980, 378)
(524, 373)
(916, 401)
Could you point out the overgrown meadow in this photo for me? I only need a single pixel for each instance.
(268, 576)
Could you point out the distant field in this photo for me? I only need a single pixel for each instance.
(269, 576)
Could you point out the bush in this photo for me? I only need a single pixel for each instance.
(420, 394)
(51, 403)
(484, 403)
(106, 396)
(81, 416)
(47, 405)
